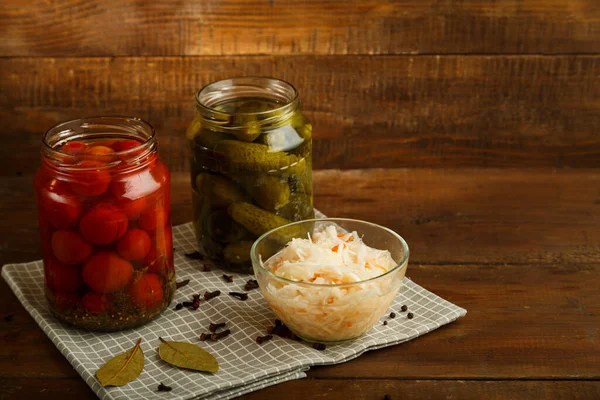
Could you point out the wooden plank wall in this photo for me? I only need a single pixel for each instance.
(412, 83)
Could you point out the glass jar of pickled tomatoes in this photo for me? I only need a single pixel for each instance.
(103, 198)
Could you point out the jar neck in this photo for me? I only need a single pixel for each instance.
(274, 91)
(96, 129)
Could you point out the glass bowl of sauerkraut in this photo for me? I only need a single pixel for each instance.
(330, 280)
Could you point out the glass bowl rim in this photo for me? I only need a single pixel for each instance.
(399, 265)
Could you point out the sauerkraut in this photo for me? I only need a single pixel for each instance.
(328, 292)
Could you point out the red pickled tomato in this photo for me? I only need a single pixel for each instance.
(156, 261)
(164, 239)
(147, 292)
(74, 148)
(153, 218)
(65, 301)
(62, 278)
(90, 182)
(103, 224)
(160, 172)
(160, 257)
(95, 303)
(70, 248)
(135, 245)
(106, 142)
(103, 152)
(133, 208)
(60, 206)
(124, 145)
(132, 190)
(106, 272)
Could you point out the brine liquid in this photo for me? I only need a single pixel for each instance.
(263, 166)
(105, 231)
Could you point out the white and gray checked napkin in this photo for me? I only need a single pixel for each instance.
(245, 366)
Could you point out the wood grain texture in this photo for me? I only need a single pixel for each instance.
(368, 112)
(475, 216)
(488, 216)
(523, 322)
(216, 27)
(359, 389)
(516, 248)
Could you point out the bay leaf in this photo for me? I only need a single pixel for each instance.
(122, 369)
(187, 355)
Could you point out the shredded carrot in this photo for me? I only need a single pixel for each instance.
(335, 248)
(349, 324)
(341, 235)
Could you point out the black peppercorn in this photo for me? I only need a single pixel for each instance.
(211, 295)
(404, 308)
(240, 296)
(410, 315)
(385, 322)
(319, 346)
(214, 327)
(262, 339)
(216, 336)
(251, 284)
(164, 388)
(393, 315)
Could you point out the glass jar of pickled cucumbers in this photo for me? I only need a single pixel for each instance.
(251, 165)
(103, 200)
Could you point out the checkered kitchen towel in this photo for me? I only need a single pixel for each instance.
(245, 366)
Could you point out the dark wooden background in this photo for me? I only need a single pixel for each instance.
(470, 127)
(419, 83)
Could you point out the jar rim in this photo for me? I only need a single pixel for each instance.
(79, 128)
(217, 92)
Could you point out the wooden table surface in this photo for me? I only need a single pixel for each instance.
(518, 248)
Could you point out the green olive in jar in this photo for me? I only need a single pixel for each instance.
(251, 165)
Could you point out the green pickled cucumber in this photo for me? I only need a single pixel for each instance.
(193, 129)
(209, 138)
(300, 123)
(223, 191)
(298, 208)
(238, 252)
(259, 221)
(305, 131)
(284, 138)
(257, 157)
(269, 191)
(208, 247)
(301, 183)
(249, 130)
(222, 228)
